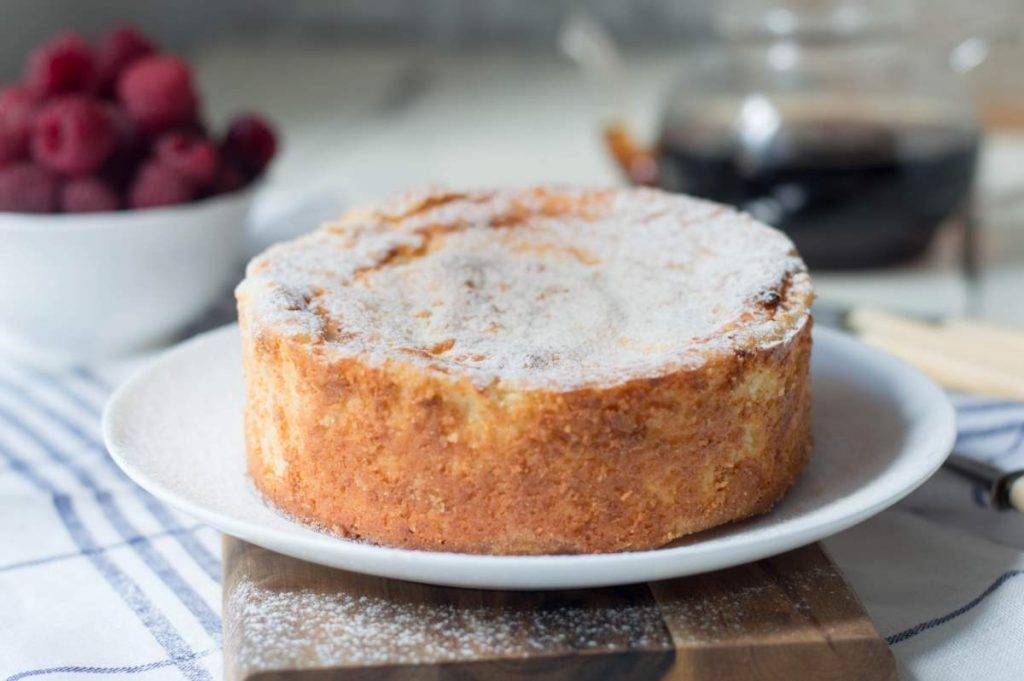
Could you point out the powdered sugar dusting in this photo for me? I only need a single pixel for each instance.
(534, 288)
(282, 628)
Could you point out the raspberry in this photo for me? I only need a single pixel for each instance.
(73, 135)
(27, 188)
(131, 147)
(64, 64)
(251, 142)
(229, 178)
(157, 93)
(17, 104)
(88, 195)
(12, 145)
(117, 49)
(190, 155)
(157, 185)
(17, 101)
(130, 138)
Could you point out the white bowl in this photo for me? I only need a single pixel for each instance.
(86, 286)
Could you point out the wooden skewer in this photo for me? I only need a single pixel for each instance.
(1006, 340)
(961, 354)
(998, 349)
(949, 370)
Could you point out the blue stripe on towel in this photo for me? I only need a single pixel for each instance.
(149, 555)
(1000, 429)
(103, 549)
(1013, 446)
(81, 669)
(983, 406)
(88, 407)
(91, 378)
(938, 621)
(179, 652)
(199, 553)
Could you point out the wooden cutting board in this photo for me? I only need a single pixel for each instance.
(787, 617)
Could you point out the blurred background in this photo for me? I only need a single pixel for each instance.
(790, 110)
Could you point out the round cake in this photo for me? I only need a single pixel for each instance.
(541, 370)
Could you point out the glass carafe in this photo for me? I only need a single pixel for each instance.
(828, 120)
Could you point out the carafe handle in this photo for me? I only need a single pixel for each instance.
(638, 162)
(586, 42)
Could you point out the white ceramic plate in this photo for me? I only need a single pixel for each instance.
(880, 430)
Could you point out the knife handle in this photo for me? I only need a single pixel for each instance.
(1015, 492)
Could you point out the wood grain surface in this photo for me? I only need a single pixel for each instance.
(787, 617)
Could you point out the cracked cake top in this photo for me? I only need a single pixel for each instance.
(537, 288)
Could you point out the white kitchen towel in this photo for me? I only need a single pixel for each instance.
(942, 575)
(98, 578)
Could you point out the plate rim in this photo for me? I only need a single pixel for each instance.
(558, 571)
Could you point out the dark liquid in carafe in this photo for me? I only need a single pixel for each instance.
(849, 193)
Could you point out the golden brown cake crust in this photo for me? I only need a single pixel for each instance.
(424, 456)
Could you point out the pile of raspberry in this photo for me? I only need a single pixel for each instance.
(116, 126)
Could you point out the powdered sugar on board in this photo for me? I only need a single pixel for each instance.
(536, 288)
(281, 628)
